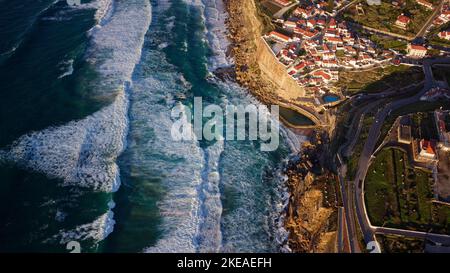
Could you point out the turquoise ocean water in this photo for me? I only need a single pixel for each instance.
(86, 152)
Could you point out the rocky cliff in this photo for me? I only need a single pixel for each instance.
(275, 72)
(256, 66)
(311, 215)
(309, 218)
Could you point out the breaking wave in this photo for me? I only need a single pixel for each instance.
(96, 231)
(192, 209)
(84, 152)
(179, 165)
(215, 16)
(209, 236)
(68, 68)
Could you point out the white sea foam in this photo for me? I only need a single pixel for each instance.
(248, 226)
(192, 208)
(68, 68)
(8, 52)
(97, 230)
(163, 45)
(103, 8)
(84, 152)
(293, 140)
(151, 149)
(179, 163)
(81, 153)
(209, 236)
(214, 15)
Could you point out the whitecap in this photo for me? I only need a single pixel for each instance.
(84, 152)
(97, 230)
(67, 67)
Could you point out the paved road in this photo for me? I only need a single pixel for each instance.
(349, 215)
(387, 33)
(374, 134)
(346, 6)
(282, 11)
(437, 238)
(355, 128)
(436, 13)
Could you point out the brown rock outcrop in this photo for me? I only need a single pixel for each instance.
(256, 66)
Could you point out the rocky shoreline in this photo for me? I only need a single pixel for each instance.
(311, 212)
(243, 49)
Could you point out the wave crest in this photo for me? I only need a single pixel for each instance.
(84, 152)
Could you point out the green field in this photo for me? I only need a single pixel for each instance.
(425, 124)
(352, 163)
(395, 244)
(442, 215)
(383, 16)
(433, 37)
(379, 79)
(388, 43)
(398, 195)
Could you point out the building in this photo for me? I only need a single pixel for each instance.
(444, 16)
(305, 34)
(283, 3)
(323, 75)
(442, 123)
(427, 149)
(332, 24)
(436, 93)
(300, 12)
(289, 24)
(402, 21)
(416, 51)
(425, 4)
(334, 40)
(444, 35)
(404, 134)
(279, 37)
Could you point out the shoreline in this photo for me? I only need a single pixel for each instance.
(308, 219)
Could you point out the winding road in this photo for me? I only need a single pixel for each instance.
(353, 194)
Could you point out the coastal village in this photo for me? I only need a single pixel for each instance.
(315, 46)
(320, 44)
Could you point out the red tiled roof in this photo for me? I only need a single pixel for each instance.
(322, 74)
(300, 66)
(404, 19)
(418, 47)
(334, 39)
(283, 2)
(279, 35)
(429, 146)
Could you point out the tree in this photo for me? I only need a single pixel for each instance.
(330, 6)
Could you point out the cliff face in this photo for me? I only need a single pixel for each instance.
(256, 66)
(308, 220)
(275, 72)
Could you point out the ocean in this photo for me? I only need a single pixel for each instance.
(85, 147)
